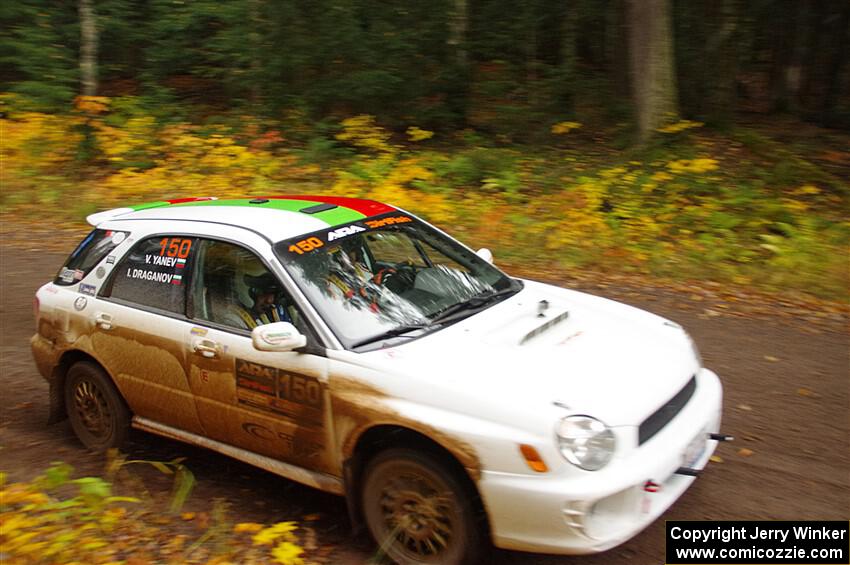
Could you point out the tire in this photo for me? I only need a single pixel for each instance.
(418, 511)
(98, 413)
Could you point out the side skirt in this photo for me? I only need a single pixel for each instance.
(320, 481)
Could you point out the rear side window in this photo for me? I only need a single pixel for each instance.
(154, 273)
(88, 253)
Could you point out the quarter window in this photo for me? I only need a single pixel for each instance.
(154, 273)
(94, 247)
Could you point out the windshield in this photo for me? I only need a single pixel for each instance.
(388, 275)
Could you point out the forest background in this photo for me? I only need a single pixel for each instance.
(689, 139)
(693, 141)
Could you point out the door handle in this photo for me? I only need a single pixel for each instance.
(206, 347)
(103, 320)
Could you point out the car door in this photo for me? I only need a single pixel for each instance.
(271, 403)
(139, 327)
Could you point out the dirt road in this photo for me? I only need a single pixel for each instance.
(786, 401)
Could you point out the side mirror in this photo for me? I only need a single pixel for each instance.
(279, 336)
(485, 254)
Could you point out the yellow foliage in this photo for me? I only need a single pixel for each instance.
(700, 165)
(680, 126)
(273, 533)
(92, 104)
(806, 189)
(416, 134)
(81, 530)
(362, 131)
(288, 553)
(564, 127)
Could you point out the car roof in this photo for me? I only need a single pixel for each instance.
(274, 217)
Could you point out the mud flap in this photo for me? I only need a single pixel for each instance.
(351, 498)
(56, 410)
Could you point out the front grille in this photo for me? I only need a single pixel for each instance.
(667, 412)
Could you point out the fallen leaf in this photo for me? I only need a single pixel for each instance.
(188, 516)
(744, 452)
(771, 358)
(716, 459)
(745, 407)
(312, 517)
(806, 392)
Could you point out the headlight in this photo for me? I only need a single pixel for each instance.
(586, 442)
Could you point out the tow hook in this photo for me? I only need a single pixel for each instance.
(688, 471)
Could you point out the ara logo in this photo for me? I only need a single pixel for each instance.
(346, 231)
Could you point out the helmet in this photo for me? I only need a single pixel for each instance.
(262, 284)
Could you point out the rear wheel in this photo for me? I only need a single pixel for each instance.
(418, 511)
(98, 414)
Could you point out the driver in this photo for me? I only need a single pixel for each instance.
(266, 293)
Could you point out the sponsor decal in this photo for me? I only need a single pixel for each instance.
(147, 275)
(100, 272)
(78, 275)
(110, 260)
(296, 447)
(118, 237)
(319, 239)
(51, 288)
(198, 331)
(80, 303)
(67, 275)
(258, 431)
(297, 396)
(392, 220)
(161, 261)
(88, 289)
(344, 231)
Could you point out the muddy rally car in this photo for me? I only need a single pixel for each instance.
(350, 346)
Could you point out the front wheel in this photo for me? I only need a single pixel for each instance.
(418, 511)
(97, 412)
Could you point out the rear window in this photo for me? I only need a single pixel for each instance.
(88, 253)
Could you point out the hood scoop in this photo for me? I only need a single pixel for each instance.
(542, 328)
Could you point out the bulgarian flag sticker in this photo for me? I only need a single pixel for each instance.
(176, 279)
(181, 263)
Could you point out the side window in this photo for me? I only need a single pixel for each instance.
(94, 247)
(234, 288)
(154, 273)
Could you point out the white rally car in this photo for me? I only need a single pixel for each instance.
(350, 346)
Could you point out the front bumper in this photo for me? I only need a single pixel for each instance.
(594, 511)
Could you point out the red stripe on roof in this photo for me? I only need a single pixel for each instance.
(365, 207)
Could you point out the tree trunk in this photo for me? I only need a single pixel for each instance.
(722, 55)
(88, 48)
(458, 24)
(653, 80)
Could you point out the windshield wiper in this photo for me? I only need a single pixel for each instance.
(475, 302)
(394, 332)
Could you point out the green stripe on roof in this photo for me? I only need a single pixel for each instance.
(338, 215)
(147, 205)
(333, 217)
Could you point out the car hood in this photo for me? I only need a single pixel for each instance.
(586, 354)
